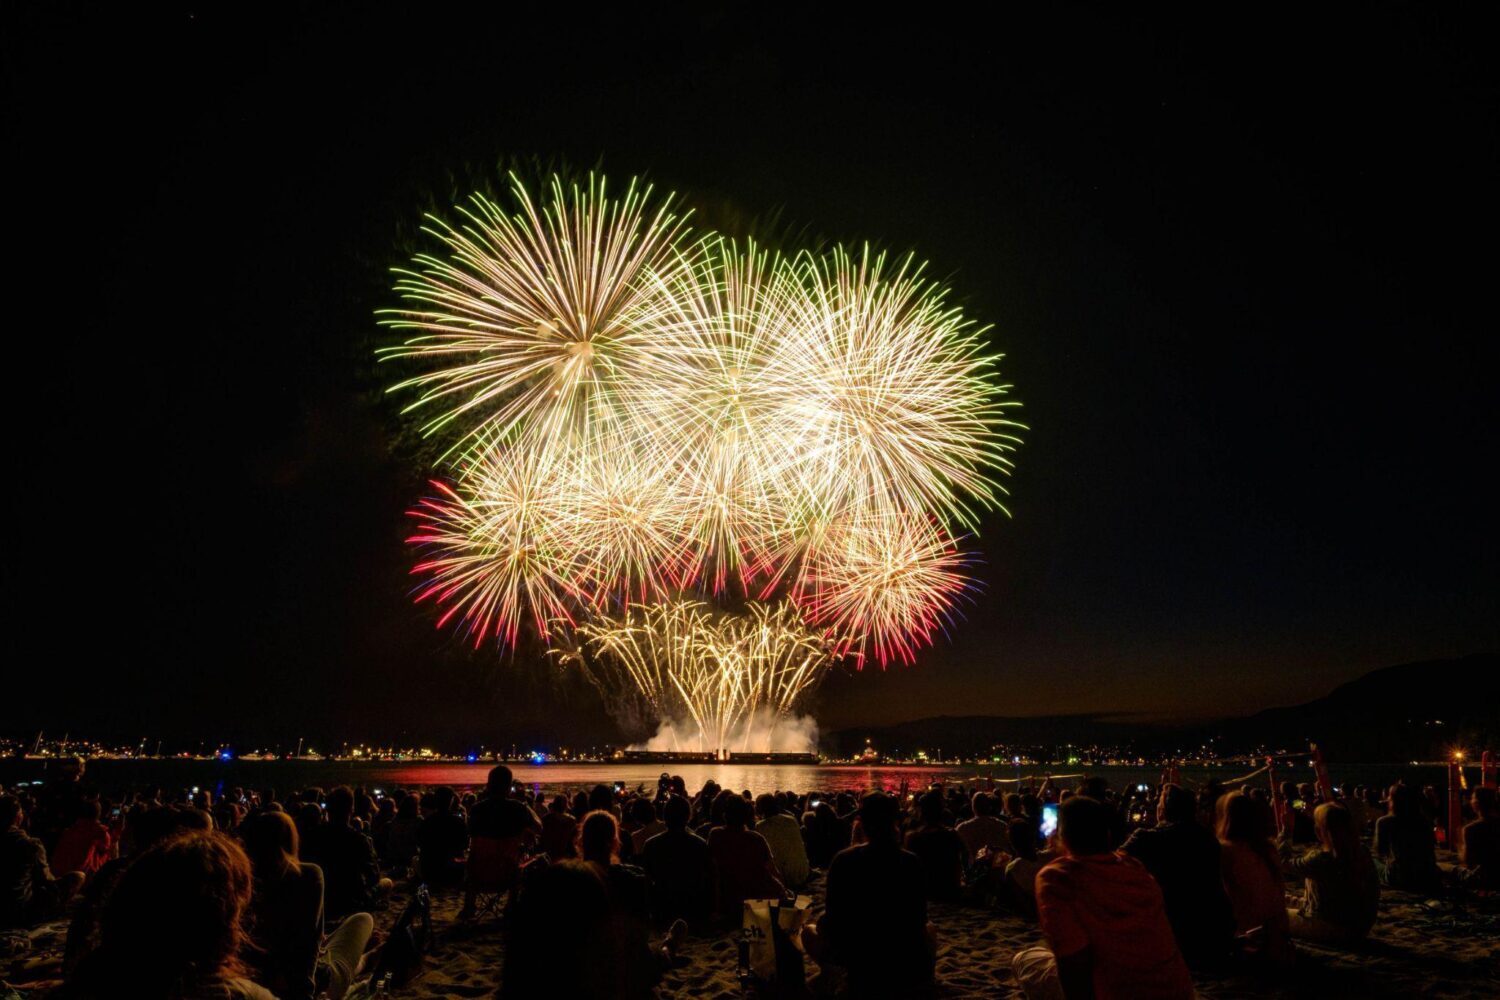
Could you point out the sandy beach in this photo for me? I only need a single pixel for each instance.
(1419, 947)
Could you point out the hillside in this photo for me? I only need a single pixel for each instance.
(1413, 711)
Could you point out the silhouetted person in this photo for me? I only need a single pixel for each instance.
(678, 866)
(500, 829)
(1251, 872)
(173, 927)
(557, 937)
(874, 922)
(1341, 888)
(939, 848)
(743, 867)
(784, 836)
(1481, 846)
(443, 840)
(1404, 844)
(351, 872)
(1183, 857)
(29, 892)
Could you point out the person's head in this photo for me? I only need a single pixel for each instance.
(1176, 805)
(444, 800)
(1483, 801)
(203, 799)
(738, 813)
(1405, 802)
(721, 800)
(1243, 819)
(499, 782)
(599, 838)
(1013, 805)
(676, 812)
(409, 805)
(982, 804)
(71, 769)
(767, 805)
(175, 919)
(1083, 824)
(10, 812)
(930, 806)
(879, 818)
(1335, 829)
(387, 808)
(1095, 787)
(601, 797)
(340, 805)
(642, 813)
(271, 843)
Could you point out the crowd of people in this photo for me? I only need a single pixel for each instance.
(256, 893)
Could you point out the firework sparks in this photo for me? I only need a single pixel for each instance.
(719, 674)
(637, 411)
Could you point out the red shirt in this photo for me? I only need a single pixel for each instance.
(1110, 905)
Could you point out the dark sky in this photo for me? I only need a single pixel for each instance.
(1243, 272)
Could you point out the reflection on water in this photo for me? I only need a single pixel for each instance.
(284, 775)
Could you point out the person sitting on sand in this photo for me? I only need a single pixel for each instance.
(1342, 889)
(939, 849)
(1104, 918)
(1481, 847)
(557, 937)
(646, 825)
(500, 829)
(174, 926)
(874, 921)
(380, 826)
(626, 885)
(443, 841)
(147, 827)
(784, 836)
(403, 837)
(29, 893)
(743, 866)
(823, 833)
(559, 831)
(1251, 872)
(351, 872)
(984, 830)
(1404, 844)
(286, 917)
(84, 845)
(680, 870)
(1183, 857)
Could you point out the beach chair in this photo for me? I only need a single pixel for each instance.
(492, 870)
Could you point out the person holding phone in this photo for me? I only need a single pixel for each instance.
(1104, 919)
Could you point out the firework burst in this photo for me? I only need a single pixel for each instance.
(635, 411)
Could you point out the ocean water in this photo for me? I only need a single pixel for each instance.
(119, 775)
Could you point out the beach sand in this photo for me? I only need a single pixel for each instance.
(1417, 949)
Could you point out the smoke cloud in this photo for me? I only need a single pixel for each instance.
(787, 734)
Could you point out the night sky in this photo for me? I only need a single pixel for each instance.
(1242, 271)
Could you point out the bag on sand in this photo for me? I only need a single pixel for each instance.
(771, 946)
(403, 952)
